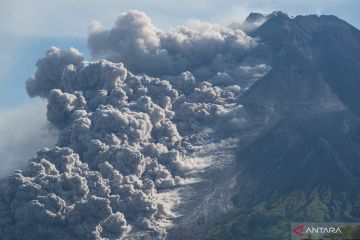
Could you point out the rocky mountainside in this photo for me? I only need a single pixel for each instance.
(305, 163)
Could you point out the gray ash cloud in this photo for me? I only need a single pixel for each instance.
(126, 121)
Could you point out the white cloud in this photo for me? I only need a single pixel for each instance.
(23, 131)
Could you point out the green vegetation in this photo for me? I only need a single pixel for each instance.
(271, 218)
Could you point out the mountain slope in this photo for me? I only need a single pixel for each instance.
(305, 166)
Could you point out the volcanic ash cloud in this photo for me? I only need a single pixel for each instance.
(127, 121)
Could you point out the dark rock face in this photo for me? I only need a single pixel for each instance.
(310, 153)
(311, 65)
(313, 88)
(307, 151)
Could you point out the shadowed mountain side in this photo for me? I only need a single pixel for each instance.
(315, 62)
(305, 166)
(305, 152)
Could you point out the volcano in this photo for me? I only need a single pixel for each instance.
(304, 165)
(200, 131)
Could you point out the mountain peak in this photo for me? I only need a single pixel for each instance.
(311, 51)
(255, 20)
(278, 14)
(253, 17)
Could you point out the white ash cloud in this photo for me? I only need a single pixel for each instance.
(201, 48)
(127, 124)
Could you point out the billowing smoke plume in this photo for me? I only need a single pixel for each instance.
(204, 49)
(127, 123)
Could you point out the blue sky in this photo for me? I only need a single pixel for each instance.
(29, 28)
(23, 53)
